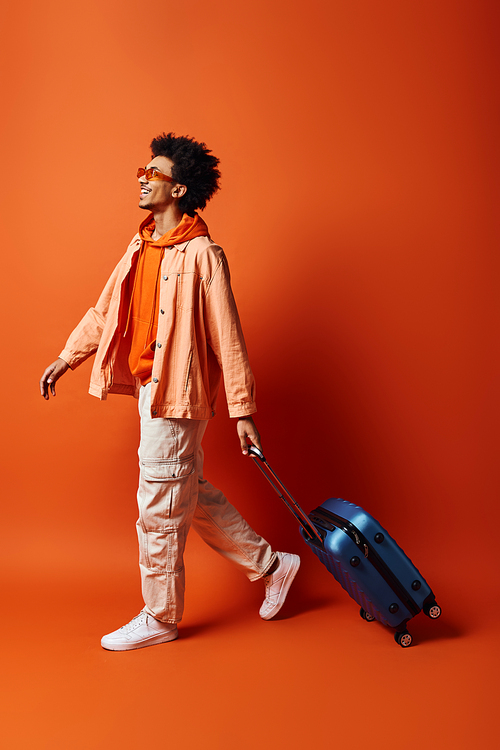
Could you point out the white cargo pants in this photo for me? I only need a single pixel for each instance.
(173, 495)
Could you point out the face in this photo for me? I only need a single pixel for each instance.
(158, 195)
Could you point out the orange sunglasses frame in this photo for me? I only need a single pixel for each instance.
(153, 174)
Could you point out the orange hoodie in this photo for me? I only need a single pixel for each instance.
(142, 324)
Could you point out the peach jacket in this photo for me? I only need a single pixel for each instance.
(199, 336)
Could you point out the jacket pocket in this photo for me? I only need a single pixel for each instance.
(167, 470)
(188, 289)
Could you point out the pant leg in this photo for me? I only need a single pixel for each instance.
(173, 494)
(222, 527)
(167, 497)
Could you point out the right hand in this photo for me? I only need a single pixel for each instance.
(49, 377)
(247, 431)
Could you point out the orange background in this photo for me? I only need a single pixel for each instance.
(359, 152)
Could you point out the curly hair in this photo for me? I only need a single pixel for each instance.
(194, 166)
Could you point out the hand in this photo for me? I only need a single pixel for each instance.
(248, 431)
(49, 377)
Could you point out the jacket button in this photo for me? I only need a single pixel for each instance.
(162, 312)
(155, 412)
(155, 380)
(159, 346)
(165, 278)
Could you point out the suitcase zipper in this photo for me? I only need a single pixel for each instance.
(320, 516)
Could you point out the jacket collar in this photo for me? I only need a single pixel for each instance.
(181, 246)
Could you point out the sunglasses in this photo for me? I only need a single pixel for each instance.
(153, 174)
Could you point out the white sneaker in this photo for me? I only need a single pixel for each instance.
(142, 631)
(278, 583)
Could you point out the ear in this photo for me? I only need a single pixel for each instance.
(178, 191)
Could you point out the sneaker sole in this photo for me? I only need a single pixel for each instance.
(290, 575)
(153, 640)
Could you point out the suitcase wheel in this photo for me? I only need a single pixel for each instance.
(432, 610)
(366, 615)
(404, 639)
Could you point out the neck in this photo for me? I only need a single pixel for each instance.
(166, 220)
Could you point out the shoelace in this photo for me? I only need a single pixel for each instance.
(132, 624)
(269, 582)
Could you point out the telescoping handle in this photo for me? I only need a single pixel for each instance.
(291, 504)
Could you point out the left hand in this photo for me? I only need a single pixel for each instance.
(248, 431)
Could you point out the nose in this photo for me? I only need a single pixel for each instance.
(142, 178)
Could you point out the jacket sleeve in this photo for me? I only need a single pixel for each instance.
(84, 340)
(225, 336)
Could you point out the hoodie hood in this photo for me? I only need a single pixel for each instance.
(188, 228)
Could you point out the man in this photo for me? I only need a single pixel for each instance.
(163, 330)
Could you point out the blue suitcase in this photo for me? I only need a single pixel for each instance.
(362, 557)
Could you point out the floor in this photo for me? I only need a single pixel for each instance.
(318, 674)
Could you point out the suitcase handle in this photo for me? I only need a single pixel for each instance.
(292, 505)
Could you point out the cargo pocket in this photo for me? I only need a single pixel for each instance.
(165, 470)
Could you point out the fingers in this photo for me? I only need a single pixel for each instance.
(247, 431)
(44, 381)
(255, 440)
(244, 446)
(50, 376)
